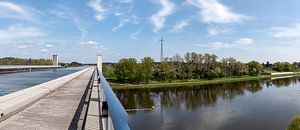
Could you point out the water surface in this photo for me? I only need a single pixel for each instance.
(251, 105)
(17, 81)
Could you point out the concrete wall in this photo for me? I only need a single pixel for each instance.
(13, 102)
(55, 60)
(282, 73)
(99, 62)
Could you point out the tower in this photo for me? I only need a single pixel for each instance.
(55, 60)
(161, 50)
(99, 62)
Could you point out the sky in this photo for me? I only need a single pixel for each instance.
(78, 30)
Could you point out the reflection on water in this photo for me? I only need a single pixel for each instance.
(264, 104)
(17, 81)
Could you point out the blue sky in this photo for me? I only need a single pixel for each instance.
(77, 30)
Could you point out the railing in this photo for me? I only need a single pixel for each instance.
(115, 108)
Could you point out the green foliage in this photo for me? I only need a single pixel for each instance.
(75, 64)
(282, 66)
(287, 66)
(126, 70)
(146, 69)
(295, 124)
(108, 71)
(192, 66)
(254, 68)
(278, 67)
(19, 61)
(65, 65)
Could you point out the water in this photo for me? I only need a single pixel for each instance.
(17, 81)
(252, 105)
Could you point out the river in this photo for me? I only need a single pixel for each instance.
(17, 81)
(252, 105)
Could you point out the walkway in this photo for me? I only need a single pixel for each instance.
(56, 111)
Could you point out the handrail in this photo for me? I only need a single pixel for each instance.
(115, 108)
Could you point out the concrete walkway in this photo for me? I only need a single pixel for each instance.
(55, 111)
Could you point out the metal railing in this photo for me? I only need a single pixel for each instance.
(115, 109)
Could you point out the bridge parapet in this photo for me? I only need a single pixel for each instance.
(116, 114)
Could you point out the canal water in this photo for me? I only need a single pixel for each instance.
(251, 105)
(17, 81)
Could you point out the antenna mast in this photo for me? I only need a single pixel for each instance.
(161, 49)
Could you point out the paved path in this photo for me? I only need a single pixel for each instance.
(54, 111)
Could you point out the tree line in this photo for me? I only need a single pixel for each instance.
(20, 61)
(190, 66)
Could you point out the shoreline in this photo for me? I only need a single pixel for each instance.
(191, 83)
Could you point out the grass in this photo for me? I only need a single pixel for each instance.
(295, 124)
(178, 83)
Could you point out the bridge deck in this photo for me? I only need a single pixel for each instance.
(55, 111)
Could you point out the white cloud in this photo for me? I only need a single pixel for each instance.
(101, 48)
(217, 31)
(159, 18)
(119, 13)
(11, 10)
(212, 11)
(126, 1)
(179, 26)
(49, 46)
(88, 43)
(133, 36)
(44, 50)
(120, 25)
(14, 32)
(80, 26)
(70, 14)
(286, 32)
(60, 14)
(242, 42)
(21, 46)
(98, 8)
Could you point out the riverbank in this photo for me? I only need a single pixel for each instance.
(178, 83)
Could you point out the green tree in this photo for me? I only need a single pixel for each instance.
(166, 70)
(254, 68)
(108, 70)
(278, 67)
(126, 70)
(287, 66)
(146, 69)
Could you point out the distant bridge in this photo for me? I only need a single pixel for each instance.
(82, 100)
(25, 68)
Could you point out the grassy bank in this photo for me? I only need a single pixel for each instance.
(295, 123)
(178, 83)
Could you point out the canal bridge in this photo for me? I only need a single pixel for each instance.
(82, 100)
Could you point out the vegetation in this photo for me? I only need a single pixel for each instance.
(191, 67)
(295, 124)
(282, 66)
(72, 64)
(19, 61)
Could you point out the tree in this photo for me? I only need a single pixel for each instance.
(75, 64)
(166, 70)
(287, 66)
(146, 69)
(126, 70)
(108, 71)
(19, 61)
(278, 67)
(254, 68)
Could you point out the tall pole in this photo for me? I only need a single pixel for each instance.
(161, 50)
